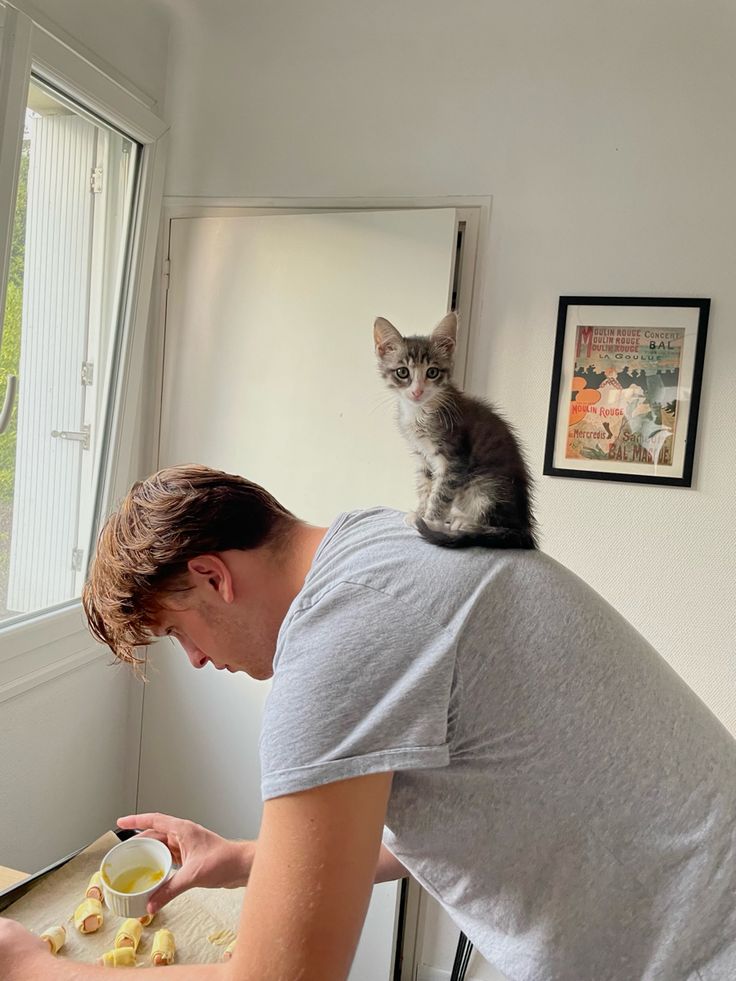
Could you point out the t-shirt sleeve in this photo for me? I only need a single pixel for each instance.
(362, 684)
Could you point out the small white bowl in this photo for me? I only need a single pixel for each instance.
(130, 854)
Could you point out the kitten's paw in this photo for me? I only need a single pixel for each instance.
(462, 525)
(410, 519)
(437, 524)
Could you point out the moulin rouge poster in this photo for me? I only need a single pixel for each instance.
(624, 398)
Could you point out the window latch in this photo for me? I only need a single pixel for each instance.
(82, 437)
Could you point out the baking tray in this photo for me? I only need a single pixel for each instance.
(203, 921)
(13, 893)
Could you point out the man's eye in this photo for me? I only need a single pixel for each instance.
(433, 372)
(402, 373)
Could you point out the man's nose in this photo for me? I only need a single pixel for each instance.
(196, 657)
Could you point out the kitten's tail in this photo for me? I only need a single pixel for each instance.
(490, 538)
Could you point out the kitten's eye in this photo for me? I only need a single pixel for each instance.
(433, 373)
(402, 373)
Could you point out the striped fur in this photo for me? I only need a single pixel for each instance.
(473, 484)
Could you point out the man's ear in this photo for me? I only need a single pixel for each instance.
(211, 575)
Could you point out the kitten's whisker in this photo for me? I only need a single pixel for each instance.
(447, 410)
(383, 400)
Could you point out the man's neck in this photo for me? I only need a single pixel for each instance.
(307, 539)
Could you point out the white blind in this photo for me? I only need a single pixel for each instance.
(56, 286)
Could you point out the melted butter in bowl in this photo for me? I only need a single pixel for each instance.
(131, 872)
(137, 879)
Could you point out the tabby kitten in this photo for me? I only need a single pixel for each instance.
(474, 488)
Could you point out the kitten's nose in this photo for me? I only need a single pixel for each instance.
(416, 393)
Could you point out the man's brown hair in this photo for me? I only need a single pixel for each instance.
(165, 520)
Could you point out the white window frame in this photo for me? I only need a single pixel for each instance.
(41, 646)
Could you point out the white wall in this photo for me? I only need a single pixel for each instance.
(69, 759)
(129, 37)
(605, 133)
(69, 763)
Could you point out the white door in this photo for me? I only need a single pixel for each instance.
(269, 372)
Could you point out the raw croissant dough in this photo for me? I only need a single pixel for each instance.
(119, 957)
(88, 916)
(163, 948)
(55, 937)
(129, 934)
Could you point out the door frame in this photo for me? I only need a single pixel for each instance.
(475, 213)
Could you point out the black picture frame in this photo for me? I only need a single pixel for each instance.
(631, 413)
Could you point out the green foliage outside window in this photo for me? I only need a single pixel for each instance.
(9, 364)
(10, 350)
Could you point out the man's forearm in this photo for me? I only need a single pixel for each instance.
(389, 867)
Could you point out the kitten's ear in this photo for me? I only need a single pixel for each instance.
(445, 333)
(385, 336)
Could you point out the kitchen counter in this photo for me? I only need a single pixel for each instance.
(9, 877)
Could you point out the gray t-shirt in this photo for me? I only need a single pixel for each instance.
(558, 788)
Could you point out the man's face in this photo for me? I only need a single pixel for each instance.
(226, 619)
(210, 637)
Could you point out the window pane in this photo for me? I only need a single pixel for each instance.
(72, 219)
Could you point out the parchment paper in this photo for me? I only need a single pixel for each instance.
(192, 917)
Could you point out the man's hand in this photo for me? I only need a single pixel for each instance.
(206, 859)
(22, 955)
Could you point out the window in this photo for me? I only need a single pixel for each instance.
(72, 220)
(82, 161)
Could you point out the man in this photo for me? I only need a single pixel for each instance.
(525, 754)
